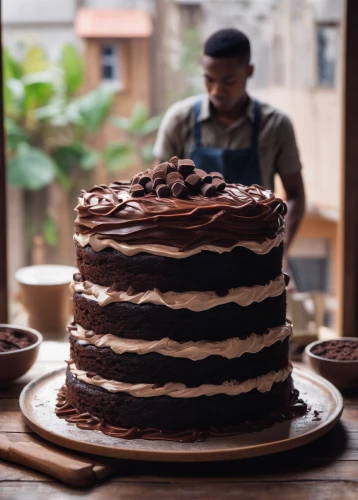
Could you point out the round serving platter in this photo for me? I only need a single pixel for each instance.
(38, 400)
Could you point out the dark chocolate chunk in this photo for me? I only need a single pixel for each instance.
(137, 190)
(217, 175)
(143, 180)
(219, 184)
(180, 190)
(161, 167)
(160, 173)
(173, 177)
(205, 177)
(163, 191)
(193, 181)
(171, 168)
(208, 190)
(136, 179)
(187, 162)
(339, 350)
(148, 187)
(186, 167)
(12, 341)
(174, 161)
(157, 182)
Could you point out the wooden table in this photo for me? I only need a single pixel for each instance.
(325, 469)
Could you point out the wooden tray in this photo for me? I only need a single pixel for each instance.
(38, 399)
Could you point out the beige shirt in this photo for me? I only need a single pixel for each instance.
(278, 151)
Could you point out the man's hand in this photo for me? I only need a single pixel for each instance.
(295, 199)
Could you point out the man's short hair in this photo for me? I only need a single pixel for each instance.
(228, 42)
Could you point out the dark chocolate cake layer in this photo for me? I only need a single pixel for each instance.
(153, 322)
(154, 368)
(170, 413)
(203, 271)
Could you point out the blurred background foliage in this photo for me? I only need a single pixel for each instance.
(51, 129)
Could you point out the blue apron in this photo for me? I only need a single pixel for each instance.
(237, 165)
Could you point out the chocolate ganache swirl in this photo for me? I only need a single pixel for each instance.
(239, 213)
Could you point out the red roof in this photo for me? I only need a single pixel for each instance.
(97, 23)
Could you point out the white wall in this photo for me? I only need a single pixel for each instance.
(37, 11)
(327, 10)
(48, 22)
(121, 4)
(316, 115)
(52, 38)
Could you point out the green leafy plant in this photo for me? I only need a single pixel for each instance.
(139, 130)
(188, 75)
(49, 127)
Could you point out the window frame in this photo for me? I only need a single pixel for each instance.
(117, 58)
(3, 201)
(327, 24)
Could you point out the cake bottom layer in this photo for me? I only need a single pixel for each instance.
(175, 414)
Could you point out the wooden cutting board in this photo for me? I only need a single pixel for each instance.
(68, 467)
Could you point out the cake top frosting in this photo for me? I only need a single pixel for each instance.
(177, 205)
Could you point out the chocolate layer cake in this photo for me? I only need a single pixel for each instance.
(179, 305)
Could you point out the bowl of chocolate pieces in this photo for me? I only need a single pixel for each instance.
(19, 347)
(336, 360)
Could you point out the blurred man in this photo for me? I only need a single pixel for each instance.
(226, 130)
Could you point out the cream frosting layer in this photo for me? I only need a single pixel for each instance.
(230, 348)
(193, 300)
(98, 243)
(263, 383)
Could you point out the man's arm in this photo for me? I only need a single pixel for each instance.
(288, 166)
(295, 198)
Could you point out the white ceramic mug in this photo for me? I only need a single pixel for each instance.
(44, 292)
